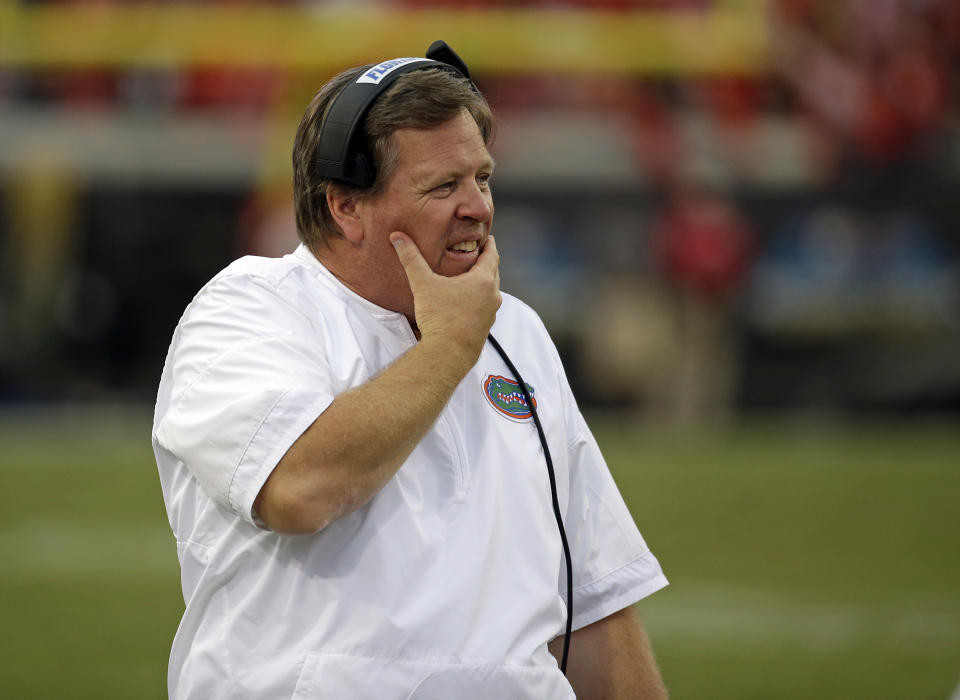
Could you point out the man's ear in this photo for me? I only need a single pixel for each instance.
(342, 204)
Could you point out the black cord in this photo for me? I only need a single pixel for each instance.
(553, 493)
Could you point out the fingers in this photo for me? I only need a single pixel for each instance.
(490, 247)
(489, 257)
(411, 259)
(458, 309)
(416, 268)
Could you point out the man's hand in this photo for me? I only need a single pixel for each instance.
(458, 309)
(355, 446)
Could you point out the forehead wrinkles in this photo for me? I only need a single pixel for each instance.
(448, 149)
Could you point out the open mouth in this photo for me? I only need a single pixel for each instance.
(464, 246)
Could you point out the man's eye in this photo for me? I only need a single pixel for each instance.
(484, 180)
(445, 186)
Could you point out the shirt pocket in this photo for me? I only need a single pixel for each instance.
(329, 676)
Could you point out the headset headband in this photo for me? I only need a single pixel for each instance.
(340, 153)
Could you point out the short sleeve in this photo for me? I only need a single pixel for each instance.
(248, 375)
(612, 565)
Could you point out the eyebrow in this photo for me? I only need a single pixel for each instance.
(429, 178)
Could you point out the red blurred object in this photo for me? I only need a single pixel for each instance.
(703, 244)
(734, 101)
(879, 129)
(250, 88)
(655, 134)
(86, 87)
(913, 78)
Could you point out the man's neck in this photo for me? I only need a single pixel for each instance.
(340, 263)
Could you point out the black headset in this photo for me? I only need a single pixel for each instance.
(342, 155)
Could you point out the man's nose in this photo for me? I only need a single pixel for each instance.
(477, 204)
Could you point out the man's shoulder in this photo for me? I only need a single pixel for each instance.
(516, 319)
(290, 279)
(274, 290)
(516, 311)
(270, 272)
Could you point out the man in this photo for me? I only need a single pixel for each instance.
(357, 489)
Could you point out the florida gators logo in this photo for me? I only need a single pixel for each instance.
(505, 396)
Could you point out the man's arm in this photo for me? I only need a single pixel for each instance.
(359, 442)
(612, 660)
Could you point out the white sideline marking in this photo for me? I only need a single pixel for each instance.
(40, 548)
(707, 617)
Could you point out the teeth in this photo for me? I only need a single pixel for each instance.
(468, 246)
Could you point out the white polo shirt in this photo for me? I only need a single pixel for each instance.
(450, 582)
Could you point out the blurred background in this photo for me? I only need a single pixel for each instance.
(738, 218)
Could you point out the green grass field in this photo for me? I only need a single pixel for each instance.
(806, 562)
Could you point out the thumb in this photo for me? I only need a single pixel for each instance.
(411, 259)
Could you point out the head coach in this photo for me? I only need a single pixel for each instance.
(369, 500)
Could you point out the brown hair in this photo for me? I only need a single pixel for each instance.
(421, 99)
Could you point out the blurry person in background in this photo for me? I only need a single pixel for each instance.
(357, 489)
(704, 246)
